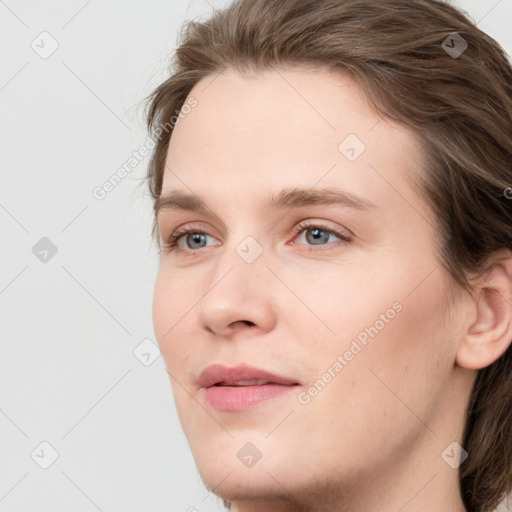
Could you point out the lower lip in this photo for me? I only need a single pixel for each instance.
(239, 398)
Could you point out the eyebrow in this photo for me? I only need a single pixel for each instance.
(287, 198)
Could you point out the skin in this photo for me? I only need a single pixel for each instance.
(373, 438)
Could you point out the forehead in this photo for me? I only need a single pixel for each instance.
(287, 127)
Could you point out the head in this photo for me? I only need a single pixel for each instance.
(349, 166)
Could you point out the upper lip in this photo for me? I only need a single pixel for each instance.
(220, 374)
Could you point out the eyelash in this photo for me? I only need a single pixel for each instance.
(172, 241)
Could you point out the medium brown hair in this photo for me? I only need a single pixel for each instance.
(460, 107)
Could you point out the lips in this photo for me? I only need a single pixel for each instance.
(242, 387)
(243, 375)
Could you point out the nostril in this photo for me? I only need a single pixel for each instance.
(245, 322)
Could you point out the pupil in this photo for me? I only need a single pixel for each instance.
(196, 237)
(317, 234)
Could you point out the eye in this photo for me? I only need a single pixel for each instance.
(192, 234)
(194, 237)
(317, 232)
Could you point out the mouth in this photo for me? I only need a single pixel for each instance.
(242, 387)
(240, 383)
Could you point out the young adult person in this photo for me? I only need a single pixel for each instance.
(334, 296)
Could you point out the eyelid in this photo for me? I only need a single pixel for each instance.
(302, 226)
(180, 231)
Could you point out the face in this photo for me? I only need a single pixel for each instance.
(341, 296)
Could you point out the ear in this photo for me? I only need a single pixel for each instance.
(490, 331)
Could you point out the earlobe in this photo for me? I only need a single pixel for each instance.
(490, 333)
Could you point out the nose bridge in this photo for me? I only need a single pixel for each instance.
(245, 246)
(241, 264)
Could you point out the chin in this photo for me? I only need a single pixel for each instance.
(238, 483)
(227, 470)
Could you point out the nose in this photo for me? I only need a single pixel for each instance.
(238, 301)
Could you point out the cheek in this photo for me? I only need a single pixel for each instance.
(390, 389)
(163, 307)
(170, 300)
(388, 328)
(404, 364)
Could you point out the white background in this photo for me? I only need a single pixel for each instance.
(68, 374)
